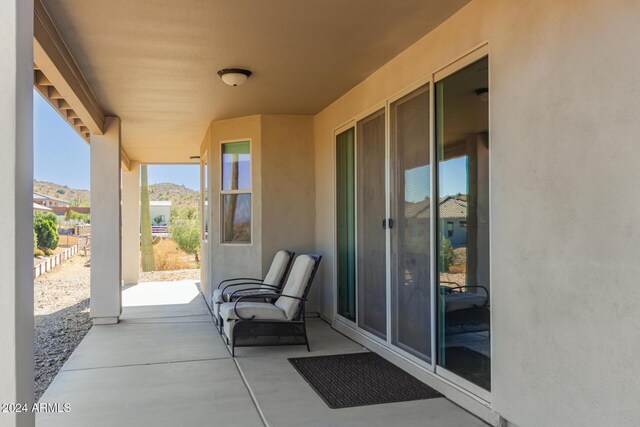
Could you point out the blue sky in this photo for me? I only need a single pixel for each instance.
(62, 157)
(453, 175)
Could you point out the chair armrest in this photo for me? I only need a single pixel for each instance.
(250, 279)
(242, 284)
(457, 285)
(266, 295)
(257, 292)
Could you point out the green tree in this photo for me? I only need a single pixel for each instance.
(186, 233)
(447, 254)
(148, 262)
(82, 217)
(45, 226)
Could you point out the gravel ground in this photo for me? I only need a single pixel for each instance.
(61, 318)
(165, 276)
(61, 309)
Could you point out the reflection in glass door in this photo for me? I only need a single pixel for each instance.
(410, 235)
(371, 237)
(462, 147)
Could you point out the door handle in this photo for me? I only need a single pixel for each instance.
(384, 223)
(390, 222)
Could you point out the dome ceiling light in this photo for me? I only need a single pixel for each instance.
(234, 76)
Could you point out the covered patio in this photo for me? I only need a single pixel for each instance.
(466, 169)
(165, 364)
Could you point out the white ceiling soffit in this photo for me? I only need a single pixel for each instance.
(153, 63)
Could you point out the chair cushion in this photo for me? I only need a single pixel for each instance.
(296, 285)
(462, 300)
(278, 269)
(218, 298)
(262, 311)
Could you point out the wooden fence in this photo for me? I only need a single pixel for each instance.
(54, 261)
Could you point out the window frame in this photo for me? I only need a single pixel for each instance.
(222, 192)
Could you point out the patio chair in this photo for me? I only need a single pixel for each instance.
(465, 311)
(285, 317)
(272, 282)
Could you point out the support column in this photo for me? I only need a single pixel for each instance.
(106, 273)
(16, 228)
(131, 224)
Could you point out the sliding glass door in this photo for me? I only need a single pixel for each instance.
(345, 219)
(371, 244)
(462, 147)
(410, 235)
(412, 217)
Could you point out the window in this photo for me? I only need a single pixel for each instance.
(236, 192)
(463, 224)
(204, 197)
(450, 228)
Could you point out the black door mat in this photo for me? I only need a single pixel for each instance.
(470, 365)
(360, 379)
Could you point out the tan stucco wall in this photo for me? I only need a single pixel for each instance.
(564, 162)
(205, 266)
(288, 189)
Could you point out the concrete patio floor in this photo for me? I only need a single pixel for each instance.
(166, 365)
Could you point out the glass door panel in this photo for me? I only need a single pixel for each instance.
(462, 147)
(410, 235)
(371, 252)
(345, 217)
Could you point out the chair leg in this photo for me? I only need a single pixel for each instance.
(306, 339)
(233, 344)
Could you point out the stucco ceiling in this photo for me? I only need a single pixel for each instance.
(154, 62)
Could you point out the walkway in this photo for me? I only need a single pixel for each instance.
(166, 365)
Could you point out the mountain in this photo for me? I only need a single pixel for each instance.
(179, 195)
(76, 197)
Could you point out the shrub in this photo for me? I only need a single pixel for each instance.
(47, 251)
(459, 266)
(81, 217)
(45, 227)
(38, 252)
(168, 256)
(186, 233)
(158, 219)
(447, 254)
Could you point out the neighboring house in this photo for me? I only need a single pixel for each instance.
(38, 208)
(48, 201)
(452, 216)
(453, 219)
(160, 212)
